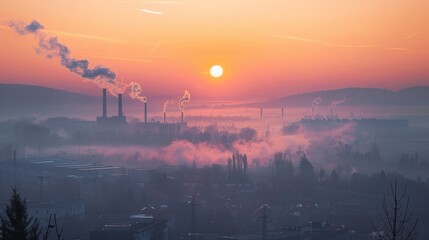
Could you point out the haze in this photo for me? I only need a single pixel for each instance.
(214, 120)
(267, 48)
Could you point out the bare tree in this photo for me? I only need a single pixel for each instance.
(397, 221)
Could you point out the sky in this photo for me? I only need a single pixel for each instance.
(267, 48)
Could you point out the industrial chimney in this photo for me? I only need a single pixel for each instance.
(120, 113)
(165, 117)
(104, 103)
(181, 116)
(282, 112)
(145, 112)
(261, 114)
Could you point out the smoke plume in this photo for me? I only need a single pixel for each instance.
(338, 102)
(186, 98)
(22, 29)
(315, 104)
(51, 48)
(164, 107)
(136, 91)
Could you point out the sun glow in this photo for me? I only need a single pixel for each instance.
(216, 71)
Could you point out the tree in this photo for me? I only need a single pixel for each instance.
(17, 225)
(248, 134)
(335, 179)
(322, 174)
(397, 220)
(306, 169)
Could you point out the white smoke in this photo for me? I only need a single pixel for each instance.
(50, 47)
(338, 102)
(186, 98)
(136, 92)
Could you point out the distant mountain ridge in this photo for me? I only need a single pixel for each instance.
(21, 100)
(40, 95)
(418, 96)
(29, 100)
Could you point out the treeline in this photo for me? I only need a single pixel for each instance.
(23, 133)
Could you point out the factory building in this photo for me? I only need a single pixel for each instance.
(104, 120)
(146, 128)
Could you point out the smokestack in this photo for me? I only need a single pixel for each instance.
(331, 112)
(145, 112)
(165, 117)
(120, 113)
(261, 114)
(282, 112)
(104, 102)
(186, 98)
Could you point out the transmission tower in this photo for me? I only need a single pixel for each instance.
(264, 220)
(193, 229)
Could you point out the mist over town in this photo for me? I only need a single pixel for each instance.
(214, 121)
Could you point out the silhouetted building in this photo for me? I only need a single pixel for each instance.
(105, 121)
(140, 227)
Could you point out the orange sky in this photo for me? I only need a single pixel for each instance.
(268, 48)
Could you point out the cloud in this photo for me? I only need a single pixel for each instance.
(150, 11)
(329, 44)
(86, 36)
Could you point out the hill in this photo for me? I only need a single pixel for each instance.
(413, 96)
(29, 100)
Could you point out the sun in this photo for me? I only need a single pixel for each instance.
(216, 71)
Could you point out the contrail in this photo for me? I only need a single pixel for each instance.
(325, 43)
(411, 36)
(50, 47)
(87, 36)
(150, 11)
(74, 35)
(329, 44)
